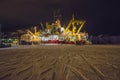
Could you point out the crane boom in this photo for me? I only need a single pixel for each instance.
(82, 23)
(29, 32)
(69, 24)
(42, 25)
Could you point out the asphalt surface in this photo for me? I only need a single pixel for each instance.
(60, 62)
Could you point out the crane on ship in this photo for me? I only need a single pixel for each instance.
(31, 37)
(71, 31)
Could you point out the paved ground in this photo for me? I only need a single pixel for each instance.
(60, 62)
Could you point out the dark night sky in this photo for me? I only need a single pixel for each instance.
(102, 16)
